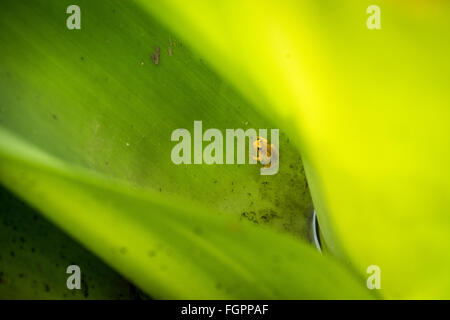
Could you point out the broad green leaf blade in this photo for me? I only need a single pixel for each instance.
(369, 108)
(94, 97)
(171, 249)
(88, 119)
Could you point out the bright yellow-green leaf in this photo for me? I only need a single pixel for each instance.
(370, 110)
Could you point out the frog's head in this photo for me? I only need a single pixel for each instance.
(260, 143)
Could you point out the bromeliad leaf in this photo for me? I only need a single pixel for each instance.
(168, 246)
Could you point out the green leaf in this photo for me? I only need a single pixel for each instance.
(369, 109)
(86, 119)
(34, 255)
(93, 97)
(168, 246)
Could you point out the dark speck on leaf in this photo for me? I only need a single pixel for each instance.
(47, 288)
(250, 216)
(54, 116)
(123, 250)
(152, 253)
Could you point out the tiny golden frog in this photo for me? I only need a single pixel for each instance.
(267, 154)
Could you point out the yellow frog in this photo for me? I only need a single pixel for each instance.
(267, 154)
